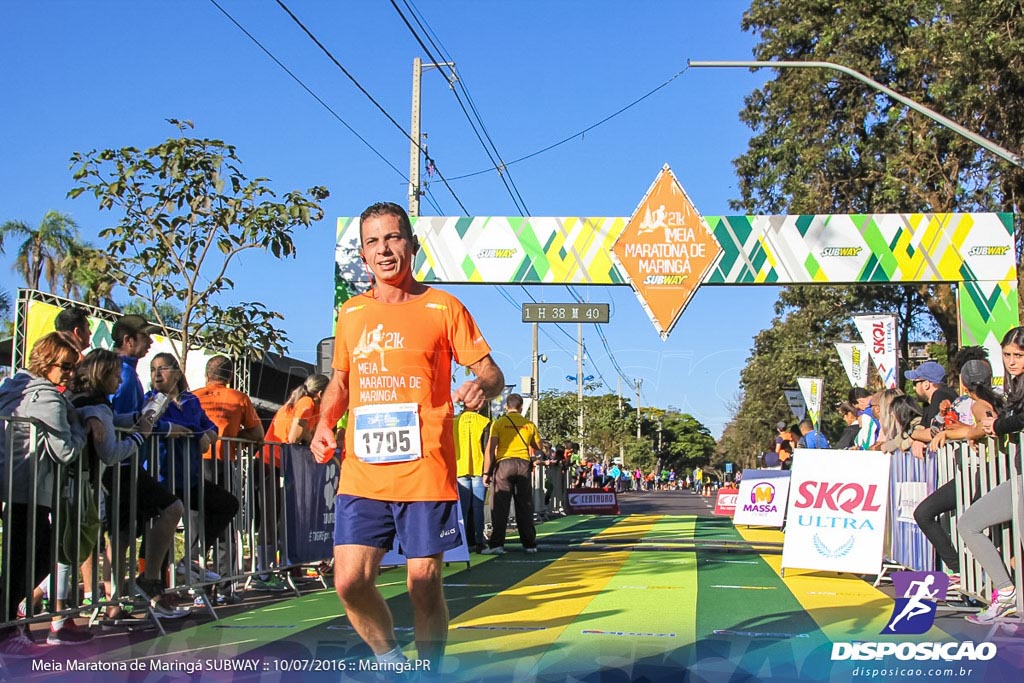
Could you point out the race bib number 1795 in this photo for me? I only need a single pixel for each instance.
(386, 433)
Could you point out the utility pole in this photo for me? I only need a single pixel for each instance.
(414, 130)
(534, 408)
(639, 381)
(579, 379)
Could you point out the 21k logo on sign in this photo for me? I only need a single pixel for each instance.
(666, 250)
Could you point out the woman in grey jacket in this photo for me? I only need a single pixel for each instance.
(98, 377)
(46, 431)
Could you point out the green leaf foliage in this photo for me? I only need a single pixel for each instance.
(824, 142)
(610, 429)
(186, 212)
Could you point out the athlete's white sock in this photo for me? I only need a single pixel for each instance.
(392, 657)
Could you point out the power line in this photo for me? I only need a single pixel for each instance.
(501, 167)
(575, 135)
(308, 89)
(506, 178)
(374, 101)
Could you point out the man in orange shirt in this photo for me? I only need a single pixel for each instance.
(233, 413)
(399, 458)
(229, 409)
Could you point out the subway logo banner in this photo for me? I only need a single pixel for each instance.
(667, 249)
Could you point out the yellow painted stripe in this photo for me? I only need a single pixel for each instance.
(844, 606)
(647, 611)
(548, 601)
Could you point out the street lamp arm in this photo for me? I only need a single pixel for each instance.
(1006, 154)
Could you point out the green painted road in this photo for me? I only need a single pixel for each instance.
(643, 596)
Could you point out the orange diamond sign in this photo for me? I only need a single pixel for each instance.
(666, 249)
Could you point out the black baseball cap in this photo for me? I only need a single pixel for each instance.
(131, 325)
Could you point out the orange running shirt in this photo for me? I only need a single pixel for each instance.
(227, 408)
(304, 409)
(402, 353)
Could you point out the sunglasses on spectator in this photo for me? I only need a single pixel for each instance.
(65, 367)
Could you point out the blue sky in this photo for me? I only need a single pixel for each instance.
(84, 75)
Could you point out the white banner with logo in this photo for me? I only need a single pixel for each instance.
(810, 388)
(836, 513)
(855, 361)
(879, 334)
(762, 498)
(795, 399)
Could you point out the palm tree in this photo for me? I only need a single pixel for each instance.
(44, 247)
(86, 274)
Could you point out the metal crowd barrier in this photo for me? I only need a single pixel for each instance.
(977, 471)
(906, 544)
(255, 543)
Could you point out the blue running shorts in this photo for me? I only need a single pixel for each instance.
(422, 528)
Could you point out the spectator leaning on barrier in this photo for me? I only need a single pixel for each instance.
(231, 410)
(867, 435)
(976, 382)
(399, 479)
(33, 394)
(929, 380)
(811, 437)
(849, 435)
(132, 340)
(297, 419)
(181, 454)
(74, 321)
(98, 377)
(235, 417)
(508, 464)
(901, 416)
(996, 506)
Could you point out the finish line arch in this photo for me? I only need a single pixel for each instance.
(658, 253)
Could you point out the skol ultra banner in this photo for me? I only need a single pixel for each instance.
(879, 334)
(855, 361)
(795, 401)
(835, 520)
(810, 388)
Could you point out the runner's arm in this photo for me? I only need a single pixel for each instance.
(488, 383)
(332, 407)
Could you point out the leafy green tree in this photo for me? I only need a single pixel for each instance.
(42, 250)
(826, 143)
(86, 275)
(800, 343)
(611, 430)
(187, 212)
(686, 442)
(163, 311)
(5, 312)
